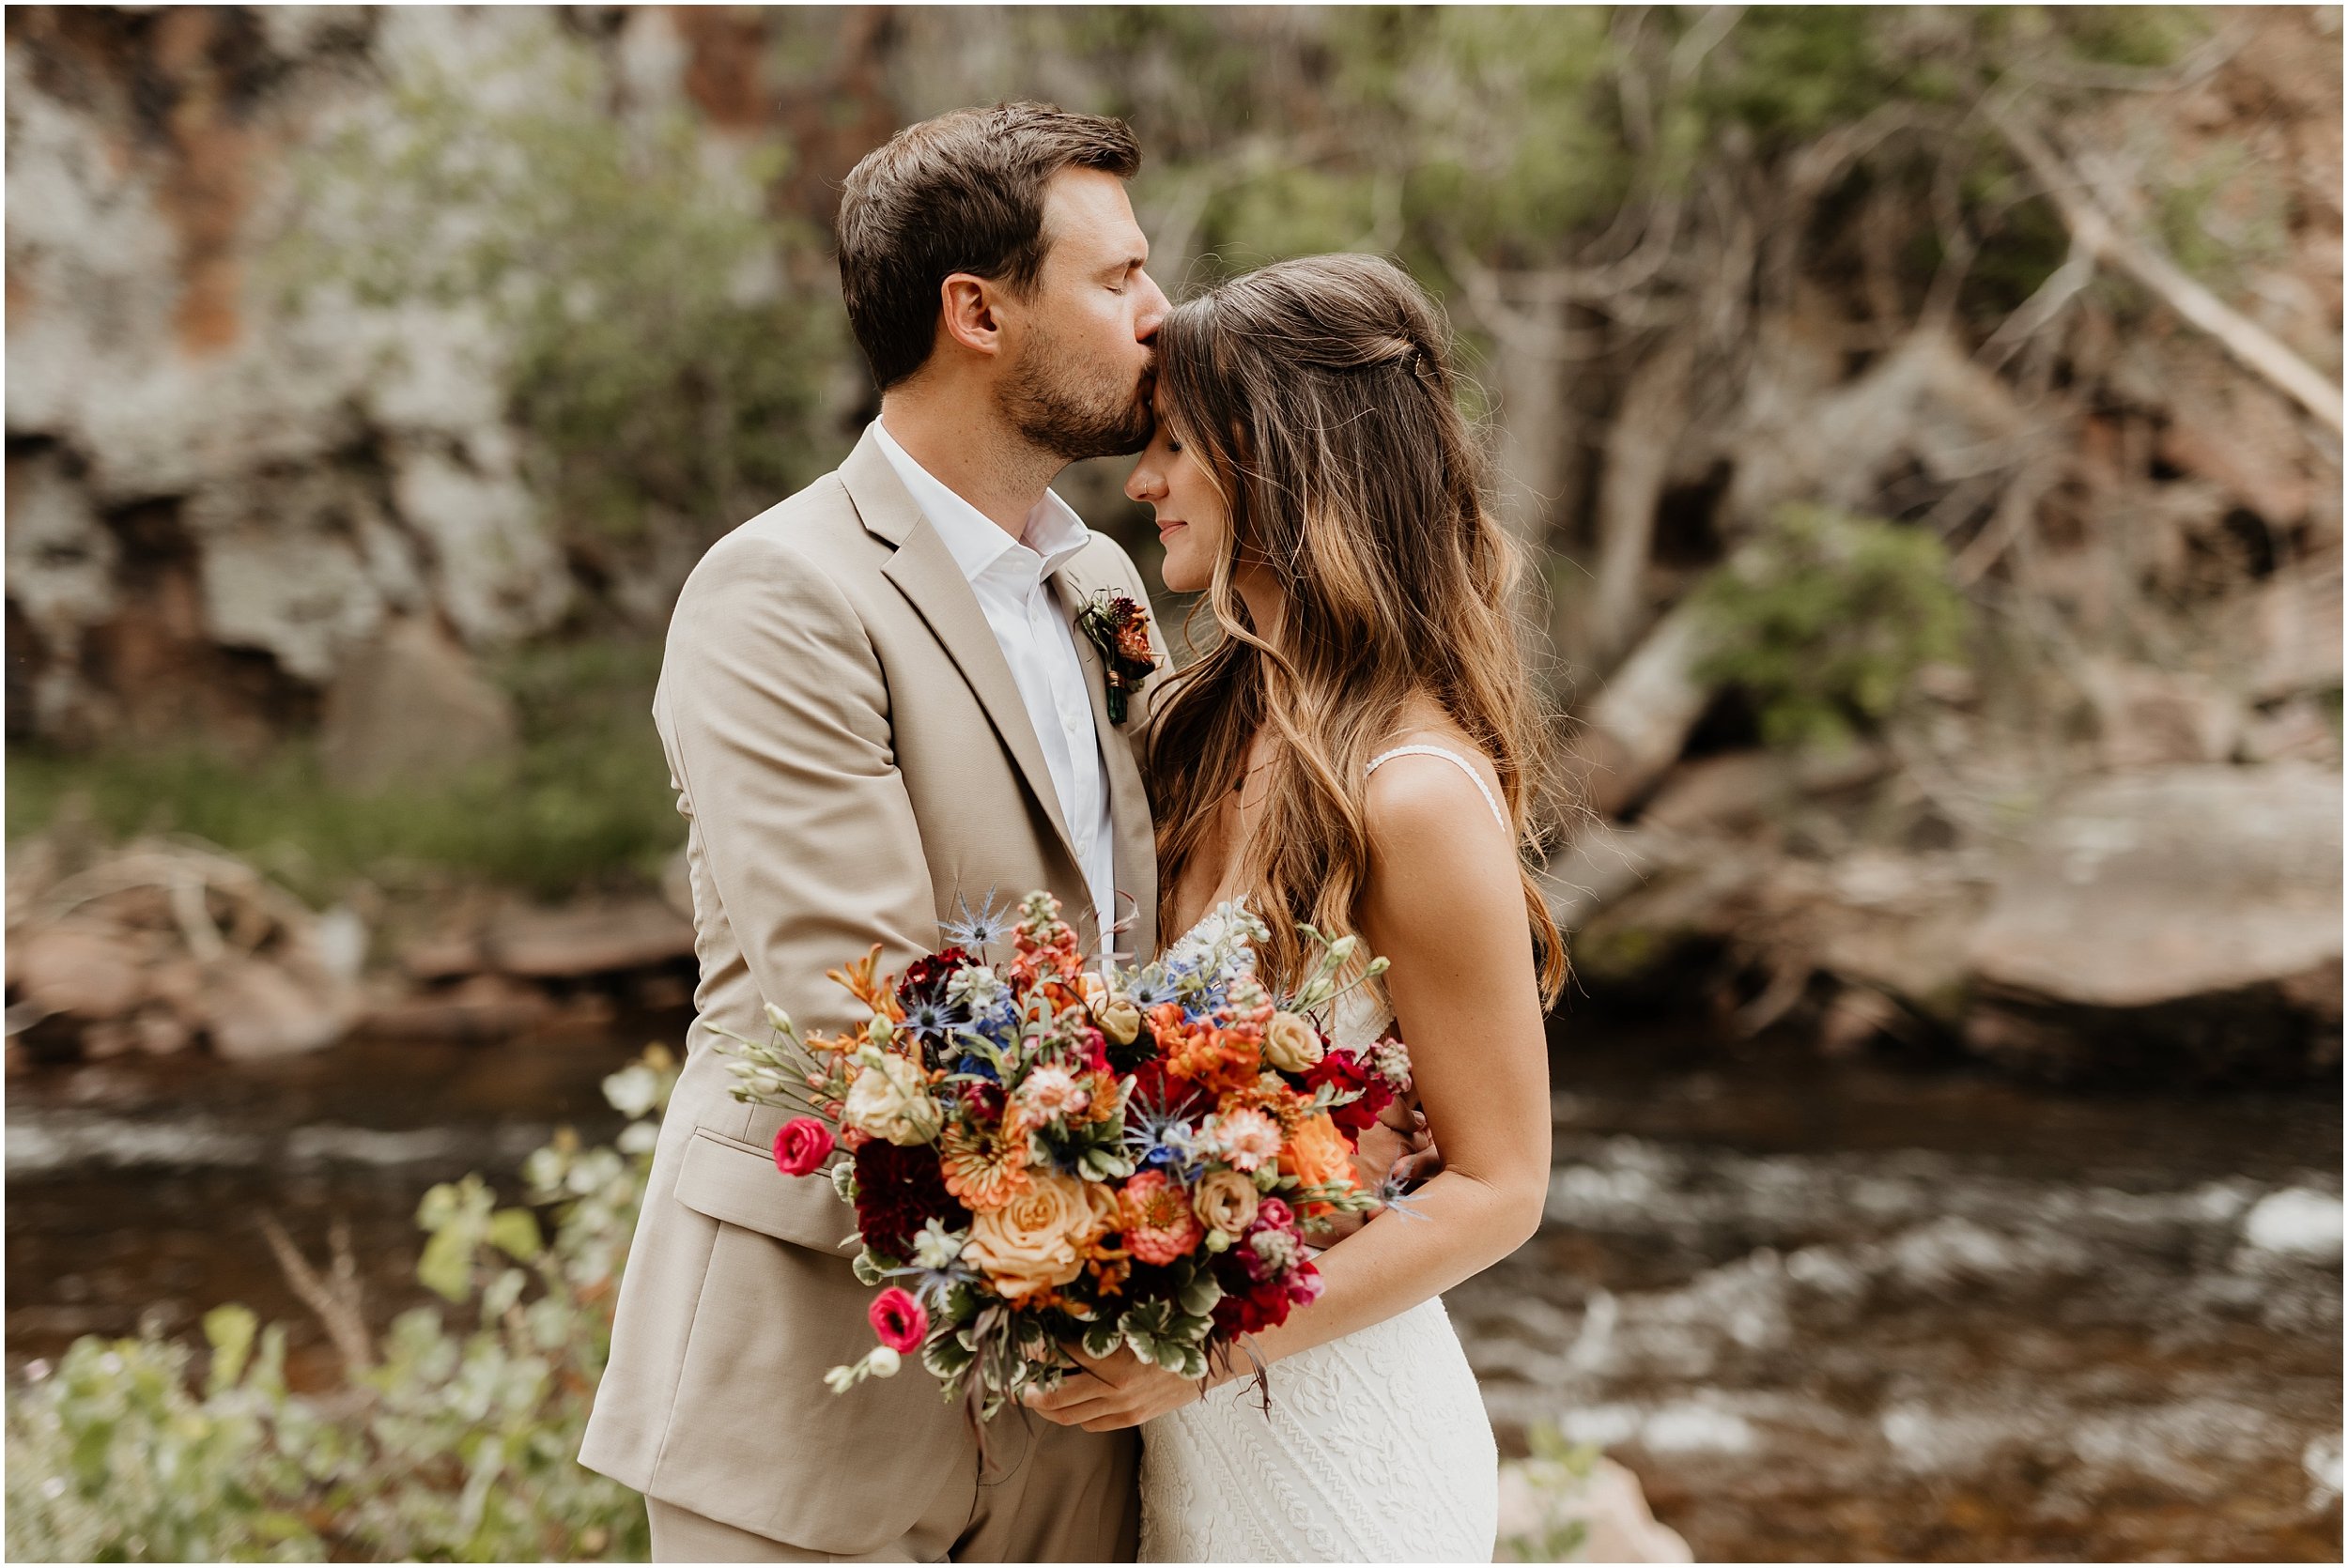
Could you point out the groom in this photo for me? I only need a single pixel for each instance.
(874, 708)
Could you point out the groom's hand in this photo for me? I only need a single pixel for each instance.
(1406, 1155)
(1112, 1393)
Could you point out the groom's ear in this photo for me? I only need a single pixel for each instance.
(967, 312)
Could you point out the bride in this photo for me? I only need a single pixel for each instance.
(1359, 752)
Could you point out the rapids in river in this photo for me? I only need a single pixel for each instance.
(1824, 1309)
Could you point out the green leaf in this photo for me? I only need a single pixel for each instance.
(229, 1329)
(515, 1232)
(503, 1293)
(446, 1267)
(1200, 1294)
(946, 1356)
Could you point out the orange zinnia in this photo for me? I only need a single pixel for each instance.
(984, 1166)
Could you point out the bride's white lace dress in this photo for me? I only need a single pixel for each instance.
(1377, 1448)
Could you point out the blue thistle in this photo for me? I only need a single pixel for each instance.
(980, 930)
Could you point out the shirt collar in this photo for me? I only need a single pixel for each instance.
(976, 541)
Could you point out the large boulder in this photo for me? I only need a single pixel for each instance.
(410, 707)
(152, 945)
(2159, 886)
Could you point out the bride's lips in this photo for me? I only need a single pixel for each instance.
(1167, 526)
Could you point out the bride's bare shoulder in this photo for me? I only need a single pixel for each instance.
(1420, 805)
(1396, 779)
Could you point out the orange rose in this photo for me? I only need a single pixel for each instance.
(1036, 1242)
(1317, 1153)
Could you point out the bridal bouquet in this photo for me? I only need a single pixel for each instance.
(1042, 1157)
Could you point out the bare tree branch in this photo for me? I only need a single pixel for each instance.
(336, 1301)
(2094, 230)
(2062, 286)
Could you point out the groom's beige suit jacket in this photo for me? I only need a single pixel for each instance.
(854, 760)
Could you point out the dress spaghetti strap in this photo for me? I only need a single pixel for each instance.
(1464, 766)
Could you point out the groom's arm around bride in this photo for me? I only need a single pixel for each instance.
(874, 711)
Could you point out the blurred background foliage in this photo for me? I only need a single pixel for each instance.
(652, 363)
(1919, 419)
(1685, 205)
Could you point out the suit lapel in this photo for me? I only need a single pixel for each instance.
(1136, 859)
(926, 573)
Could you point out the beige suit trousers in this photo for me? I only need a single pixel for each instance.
(1053, 1494)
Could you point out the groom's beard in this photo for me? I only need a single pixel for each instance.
(1059, 402)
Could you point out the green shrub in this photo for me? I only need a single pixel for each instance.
(1558, 1477)
(1824, 621)
(587, 801)
(459, 1444)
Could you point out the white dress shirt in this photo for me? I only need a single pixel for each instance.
(1009, 577)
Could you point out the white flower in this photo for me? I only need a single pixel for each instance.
(883, 1362)
(632, 1090)
(936, 1247)
(891, 1099)
(1246, 1136)
(1290, 1043)
(1391, 1060)
(1049, 1093)
(974, 986)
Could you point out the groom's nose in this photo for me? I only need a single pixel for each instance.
(1153, 308)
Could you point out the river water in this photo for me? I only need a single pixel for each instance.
(1825, 1310)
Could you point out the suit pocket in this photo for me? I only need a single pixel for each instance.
(737, 1183)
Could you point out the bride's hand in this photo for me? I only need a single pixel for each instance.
(1111, 1394)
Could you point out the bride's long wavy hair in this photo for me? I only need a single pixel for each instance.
(1318, 395)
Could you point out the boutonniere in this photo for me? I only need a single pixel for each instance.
(1121, 629)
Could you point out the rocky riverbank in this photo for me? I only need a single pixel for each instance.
(2142, 926)
(167, 945)
(2152, 926)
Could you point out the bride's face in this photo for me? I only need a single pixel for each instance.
(1192, 519)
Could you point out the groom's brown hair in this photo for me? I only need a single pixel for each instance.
(962, 193)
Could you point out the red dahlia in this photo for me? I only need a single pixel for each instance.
(898, 1191)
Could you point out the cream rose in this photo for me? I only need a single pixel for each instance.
(891, 1099)
(1119, 1019)
(1225, 1201)
(1035, 1241)
(1290, 1043)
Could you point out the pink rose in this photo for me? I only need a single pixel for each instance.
(901, 1321)
(801, 1146)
